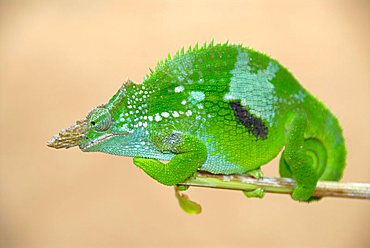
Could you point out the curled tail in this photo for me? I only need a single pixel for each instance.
(324, 142)
(314, 149)
(330, 135)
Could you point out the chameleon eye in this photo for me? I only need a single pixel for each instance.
(100, 119)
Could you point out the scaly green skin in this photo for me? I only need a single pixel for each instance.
(223, 109)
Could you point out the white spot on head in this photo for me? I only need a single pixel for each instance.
(183, 102)
(175, 114)
(150, 118)
(157, 117)
(124, 127)
(165, 114)
(188, 113)
(179, 89)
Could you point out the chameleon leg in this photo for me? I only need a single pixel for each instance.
(315, 150)
(259, 192)
(284, 169)
(296, 162)
(190, 152)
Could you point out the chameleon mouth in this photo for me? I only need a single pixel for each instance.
(70, 137)
(91, 143)
(87, 144)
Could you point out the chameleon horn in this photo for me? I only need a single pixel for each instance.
(69, 137)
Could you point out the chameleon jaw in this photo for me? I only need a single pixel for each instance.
(96, 141)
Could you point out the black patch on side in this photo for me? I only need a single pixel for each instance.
(253, 124)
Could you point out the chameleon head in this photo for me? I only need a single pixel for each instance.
(98, 127)
(92, 130)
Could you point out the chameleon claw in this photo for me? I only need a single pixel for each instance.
(257, 193)
(257, 173)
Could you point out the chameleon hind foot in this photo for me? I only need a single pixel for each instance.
(259, 192)
(302, 159)
(300, 191)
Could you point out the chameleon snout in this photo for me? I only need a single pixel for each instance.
(70, 137)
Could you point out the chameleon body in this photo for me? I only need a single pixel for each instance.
(219, 108)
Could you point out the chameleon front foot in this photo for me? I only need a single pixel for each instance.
(257, 193)
(190, 153)
(257, 173)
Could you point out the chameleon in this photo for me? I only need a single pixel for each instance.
(221, 108)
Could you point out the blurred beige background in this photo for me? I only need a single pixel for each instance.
(59, 59)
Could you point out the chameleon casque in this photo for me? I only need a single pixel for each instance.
(220, 108)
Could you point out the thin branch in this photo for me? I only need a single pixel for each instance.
(277, 185)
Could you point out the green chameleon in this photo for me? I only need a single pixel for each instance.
(223, 109)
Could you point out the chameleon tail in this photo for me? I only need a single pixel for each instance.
(325, 142)
(334, 142)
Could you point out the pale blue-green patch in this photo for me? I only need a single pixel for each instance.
(196, 97)
(217, 162)
(135, 145)
(254, 90)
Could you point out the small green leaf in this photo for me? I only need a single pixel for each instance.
(186, 204)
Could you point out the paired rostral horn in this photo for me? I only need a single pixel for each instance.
(70, 137)
(75, 134)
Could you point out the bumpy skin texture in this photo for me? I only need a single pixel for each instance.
(223, 109)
